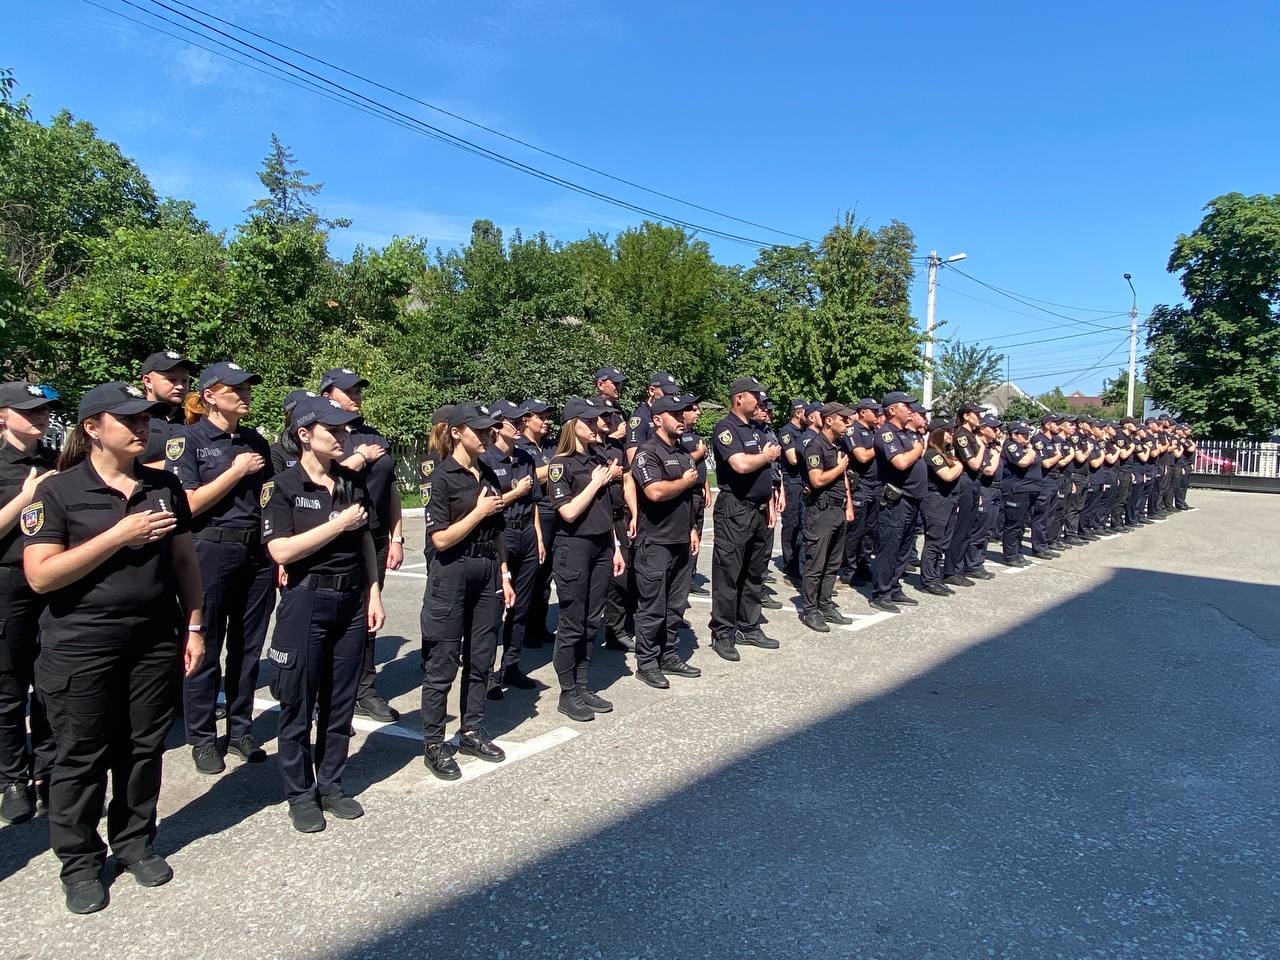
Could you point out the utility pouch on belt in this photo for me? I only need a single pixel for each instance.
(891, 495)
(855, 481)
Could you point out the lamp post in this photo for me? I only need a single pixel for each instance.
(1133, 341)
(934, 263)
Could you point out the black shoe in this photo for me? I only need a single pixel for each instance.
(1045, 554)
(1013, 562)
(306, 817)
(1089, 536)
(220, 712)
(571, 706)
(42, 795)
(700, 590)
(936, 590)
(152, 871)
(439, 760)
(476, 743)
(514, 677)
(1074, 542)
(913, 564)
(375, 707)
(341, 806)
(245, 748)
(958, 580)
(899, 597)
(885, 605)
(85, 896)
(771, 603)
(594, 702)
(982, 573)
(832, 614)
(625, 642)
(17, 804)
(725, 648)
(653, 678)
(208, 758)
(755, 639)
(495, 691)
(813, 620)
(678, 668)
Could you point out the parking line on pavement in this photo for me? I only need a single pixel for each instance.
(407, 573)
(515, 750)
(864, 620)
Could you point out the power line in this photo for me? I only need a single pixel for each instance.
(994, 340)
(1021, 313)
(1027, 296)
(1078, 375)
(1018, 299)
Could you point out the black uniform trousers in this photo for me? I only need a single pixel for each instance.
(793, 528)
(990, 501)
(540, 599)
(620, 599)
(1182, 480)
(739, 558)
(1120, 505)
(1042, 511)
(1018, 501)
(110, 683)
(1170, 482)
(583, 571)
(1154, 488)
(522, 564)
(967, 517)
(941, 514)
(317, 652)
(461, 610)
(367, 687)
(1079, 492)
(824, 546)
(896, 526)
(662, 586)
(1137, 497)
(860, 536)
(20, 610)
(239, 592)
(1058, 518)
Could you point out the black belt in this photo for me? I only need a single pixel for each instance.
(519, 523)
(480, 551)
(324, 581)
(245, 535)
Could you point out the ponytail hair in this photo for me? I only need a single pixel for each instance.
(441, 440)
(569, 444)
(193, 408)
(75, 448)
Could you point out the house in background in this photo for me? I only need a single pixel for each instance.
(1079, 401)
(996, 400)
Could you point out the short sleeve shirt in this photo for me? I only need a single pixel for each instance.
(569, 475)
(789, 438)
(1013, 452)
(202, 453)
(662, 521)
(640, 426)
(822, 454)
(690, 440)
(891, 441)
(294, 504)
(933, 462)
(281, 458)
(967, 444)
(162, 428)
(14, 468)
(509, 469)
(864, 438)
(450, 495)
(541, 455)
(732, 436)
(379, 476)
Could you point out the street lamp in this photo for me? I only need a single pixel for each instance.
(934, 263)
(1133, 341)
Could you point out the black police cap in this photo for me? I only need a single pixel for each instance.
(312, 410)
(342, 378)
(745, 385)
(477, 416)
(17, 395)
(119, 398)
(897, 396)
(163, 361)
(224, 371)
(581, 408)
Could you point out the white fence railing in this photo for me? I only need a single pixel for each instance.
(1242, 458)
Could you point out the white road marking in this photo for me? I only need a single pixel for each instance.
(411, 566)
(407, 573)
(864, 620)
(694, 598)
(522, 750)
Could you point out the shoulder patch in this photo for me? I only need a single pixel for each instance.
(786, 437)
(32, 519)
(634, 422)
(425, 489)
(1013, 448)
(174, 448)
(428, 466)
(726, 436)
(557, 471)
(962, 440)
(887, 436)
(265, 497)
(813, 460)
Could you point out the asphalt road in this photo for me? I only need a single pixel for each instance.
(1074, 760)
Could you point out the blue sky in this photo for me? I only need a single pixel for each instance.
(1059, 146)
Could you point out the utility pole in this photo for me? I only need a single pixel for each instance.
(934, 263)
(1133, 341)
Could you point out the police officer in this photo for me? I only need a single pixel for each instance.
(1136, 511)
(468, 585)
(667, 540)
(1046, 494)
(864, 485)
(743, 521)
(285, 452)
(166, 377)
(367, 450)
(24, 466)
(969, 450)
(439, 446)
(517, 474)
(223, 466)
(696, 447)
(900, 464)
(640, 426)
(940, 507)
(1156, 470)
(828, 511)
(1125, 461)
(1188, 461)
(763, 420)
(620, 598)
(609, 381)
(1062, 477)
(1020, 486)
(1082, 452)
(107, 544)
(793, 484)
(533, 441)
(588, 554)
(990, 500)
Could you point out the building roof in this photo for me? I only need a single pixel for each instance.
(1080, 401)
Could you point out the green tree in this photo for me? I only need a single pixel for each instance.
(288, 191)
(1024, 409)
(966, 374)
(1115, 393)
(1216, 360)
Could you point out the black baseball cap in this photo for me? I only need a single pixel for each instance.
(866, 403)
(667, 403)
(897, 396)
(505, 409)
(224, 371)
(477, 416)
(163, 361)
(1016, 426)
(916, 407)
(293, 397)
(581, 408)
(834, 409)
(970, 408)
(441, 414)
(813, 408)
(688, 400)
(531, 406)
(17, 395)
(799, 404)
(311, 410)
(989, 421)
(612, 374)
(941, 424)
(116, 397)
(745, 385)
(666, 381)
(342, 378)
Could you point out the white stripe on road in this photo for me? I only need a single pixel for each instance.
(406, 573)
(411, 566)
(522, 750)
(864, 620)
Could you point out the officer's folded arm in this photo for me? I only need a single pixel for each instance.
(287, 550)
(459, 529)
(659, 490)
(377, 614)
(51, 566)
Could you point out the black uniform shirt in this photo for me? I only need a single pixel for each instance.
(822, 454)
(202, 453)
(733, 436)
(967, 448)
(690, 440)
(640, 426)
(864, 438)
(933, 462)
(293, 503)
(1023, 476)
(789, 437)
(993, 454)
(662, 521)
(379, 476)
(14, 467)
(281, 459)
(891, 441)
(162, 429)
(1042, 443)
(509, 469)
(569, 476)
(541, 455)
(450, 495)
(76, 506)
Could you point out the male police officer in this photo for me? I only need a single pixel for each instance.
(640, 426)
(743, 523)
(865, 487)
(166, 377)
(969, 450)
(899, 452)
(792, 484)
(829, 508)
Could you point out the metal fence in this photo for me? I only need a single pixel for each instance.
(1237, 464)
(408, 457)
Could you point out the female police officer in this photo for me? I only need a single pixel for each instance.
(587, 551)
(223, 466)
(107, 542)
(24, 465)
(461, 607)
(315, 525)
(940, 507)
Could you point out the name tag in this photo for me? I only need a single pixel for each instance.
(306, 502)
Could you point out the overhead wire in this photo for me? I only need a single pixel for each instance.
(1018, 299)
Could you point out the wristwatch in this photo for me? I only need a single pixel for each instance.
(399, 540)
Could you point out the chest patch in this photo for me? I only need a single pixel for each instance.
(32, 519)
(175, 447)
(265, 496)
(307, 503)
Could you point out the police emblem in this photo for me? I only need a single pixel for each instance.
(33, 518)
(963, 441)
(1013, 448)
(133, 391)
(887, 437)
(813, 460)
(428, 467)
(786, 438)
(557, 471)
(34, 390)
(725, 437)
(634, 422)
(265, 495)
(426, 493)
(174, 447)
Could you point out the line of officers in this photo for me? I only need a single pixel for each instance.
(140, 571)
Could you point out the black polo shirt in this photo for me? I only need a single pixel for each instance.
(282, 459)
(789, 438)
(691, 440)
(891, 441)
(294, 504)
(662, 521)
(541, 455)
(993, 454)
(450, 495)
(202, 453)
(822, 454)
(14, 467)
(933, 462)
(612, 452)
(569, 476)
(379, 476)
(162, 428)
(1026, 476)
(76, 506)
(510, 469)
(640, 426)
(862, 437)
(967, 444)
(731, 436)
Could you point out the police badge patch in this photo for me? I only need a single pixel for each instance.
(33, 518)
(265, 496)
(813, 460)
(726, 437)
(426, 493)
(174, 447)
(635, 422)
(557, 471)
(887, 437)
(427, 467)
